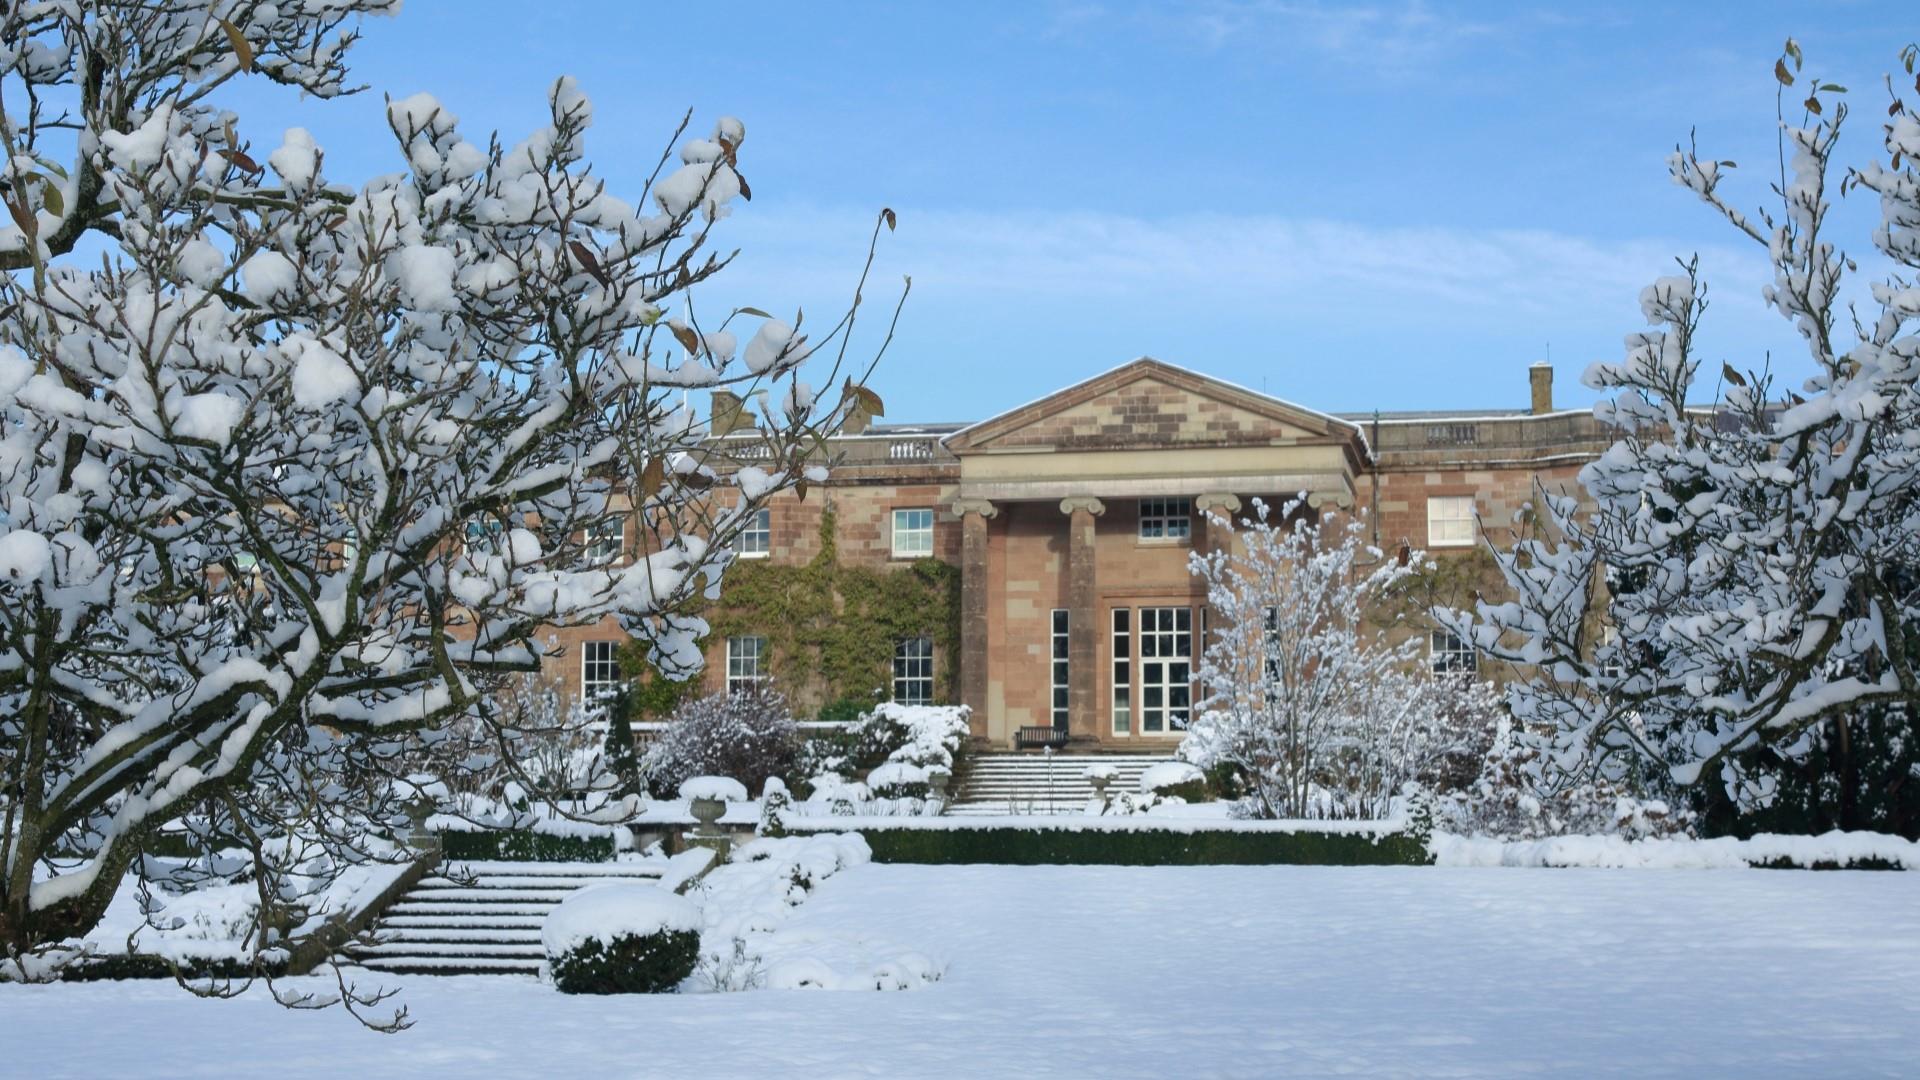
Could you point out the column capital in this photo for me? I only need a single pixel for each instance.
(1208, 503)
(983, 507)
(1074, 503)
(1321, 499)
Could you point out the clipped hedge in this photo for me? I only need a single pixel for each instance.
(629, 964)
(521, 845)
(1142, 847)
(144, 966)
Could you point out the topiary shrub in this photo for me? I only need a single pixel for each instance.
(626, 938)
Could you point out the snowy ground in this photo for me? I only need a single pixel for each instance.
(1137, 971)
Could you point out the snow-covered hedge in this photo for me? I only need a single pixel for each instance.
(1128, 841)
(622, 938)
(1833, 850)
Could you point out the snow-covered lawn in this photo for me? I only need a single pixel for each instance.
(1139, 971)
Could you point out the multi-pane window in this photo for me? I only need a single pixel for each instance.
(756, 536)
(1166, 668)
(1450, 654)
(604, 539)
(912, 533)
(746, 663)
(913, 671)
(1166, 519)
(1060, 669)
(1122, 671)
(599, 671)
(1450, 521)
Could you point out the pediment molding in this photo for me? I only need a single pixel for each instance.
(1149, 404)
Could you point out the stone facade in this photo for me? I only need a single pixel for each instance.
(1042, 510)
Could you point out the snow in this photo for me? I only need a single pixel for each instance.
(1168, 774)
(724, 788)
(425, 276)
(25, 555)
(268, 274)
(1827, 850)
(773, 344)
(1300, 971)
(297, 161)
(320, 375)
(617, 908)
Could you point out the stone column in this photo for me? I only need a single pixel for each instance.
(973, 607)
(1214, 536)
(1083, 615)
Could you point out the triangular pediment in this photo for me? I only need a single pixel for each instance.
(1148, 404)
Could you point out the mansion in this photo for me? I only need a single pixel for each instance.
(1069, 520)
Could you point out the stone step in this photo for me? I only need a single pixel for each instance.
(452, 965)
(397, 949)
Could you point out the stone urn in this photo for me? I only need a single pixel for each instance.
(707, 798)
(707, 810)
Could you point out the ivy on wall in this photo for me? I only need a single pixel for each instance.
(831, 627)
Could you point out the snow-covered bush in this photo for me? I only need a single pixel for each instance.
(623, 938)
(1174, 779)
(748, 737)
(913, 742)
(1510, 801)
(301, 468)
(893, 753)
(1316, 712)
(1739, 577)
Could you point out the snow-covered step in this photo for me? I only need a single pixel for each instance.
(1003, 784)
(482, 917)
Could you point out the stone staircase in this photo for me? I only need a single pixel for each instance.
(1019, 784)
(473, 917)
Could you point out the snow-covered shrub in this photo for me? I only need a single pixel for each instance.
(775, 804)
(1315, 711)
(748, 737)
(623, 938)
(1174, 780)
(926, 735)
(1512, 801)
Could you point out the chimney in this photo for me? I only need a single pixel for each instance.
(856, 422)
(727, 414)
(1540, 377)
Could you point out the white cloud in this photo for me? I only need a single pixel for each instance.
(1291, 262)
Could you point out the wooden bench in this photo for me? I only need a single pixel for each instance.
(1031, 738)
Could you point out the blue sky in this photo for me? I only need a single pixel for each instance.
(1381, 205)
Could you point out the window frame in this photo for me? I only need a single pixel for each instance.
(1158, 516)
(896, 531)
(760, 525)
(612, 527)
(1437, 524)
(1060, 668)
(1445, 650)
(741, 680)
(907, 653)
(594, 690)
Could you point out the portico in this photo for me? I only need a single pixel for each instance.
(1078, 512)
